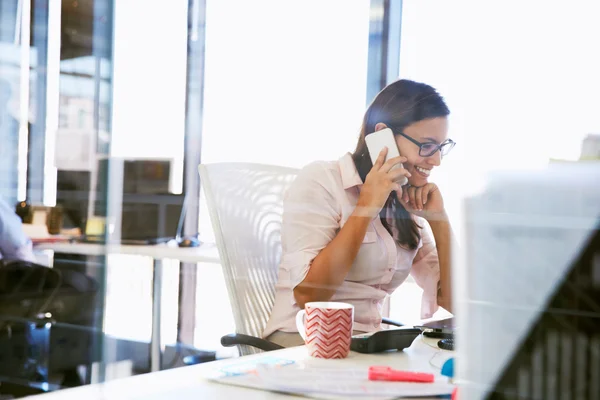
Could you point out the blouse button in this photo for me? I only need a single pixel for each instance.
(374, 301)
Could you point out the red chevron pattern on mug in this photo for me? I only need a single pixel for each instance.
(328, 331)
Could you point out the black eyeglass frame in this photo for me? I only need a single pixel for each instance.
(440, 147)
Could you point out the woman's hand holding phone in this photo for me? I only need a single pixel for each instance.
(379, 183)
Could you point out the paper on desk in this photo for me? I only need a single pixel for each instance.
(282, 375)
(246, 367)
(345, 382)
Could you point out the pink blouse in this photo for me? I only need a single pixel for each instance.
(316, 206)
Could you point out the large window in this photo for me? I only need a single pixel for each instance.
(277, 92)
(285, 81)
(285, 84)
(148, 117)
(519, 81)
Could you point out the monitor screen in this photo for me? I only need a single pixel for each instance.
(142, 176)
(151, 216)
(73, 194)
(531, 315)
(148, 210)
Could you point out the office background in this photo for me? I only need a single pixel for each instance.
(280, 83)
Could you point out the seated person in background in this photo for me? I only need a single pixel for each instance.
(14, 244)
(351, 233)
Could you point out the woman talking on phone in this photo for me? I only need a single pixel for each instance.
(353, 233)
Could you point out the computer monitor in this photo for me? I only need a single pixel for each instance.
(142, 205)
(146, 176)
(131, 176)
(530, 314)
(151, 216)
(73, 194)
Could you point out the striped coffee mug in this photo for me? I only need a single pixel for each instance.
(327, 330)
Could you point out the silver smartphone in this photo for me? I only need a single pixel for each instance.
(376, 141)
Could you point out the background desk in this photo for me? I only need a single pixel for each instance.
(206, 253)
(190, 382)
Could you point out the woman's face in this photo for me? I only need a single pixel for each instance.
(434, 130)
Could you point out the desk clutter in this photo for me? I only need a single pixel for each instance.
(40, 221)
(330, 379)
(385, 375)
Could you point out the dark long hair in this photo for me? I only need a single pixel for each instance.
(399, 104)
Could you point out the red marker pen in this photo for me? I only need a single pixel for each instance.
(389, 374)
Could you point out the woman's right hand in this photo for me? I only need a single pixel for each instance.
(378, 185)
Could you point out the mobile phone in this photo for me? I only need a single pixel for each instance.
(376, 141)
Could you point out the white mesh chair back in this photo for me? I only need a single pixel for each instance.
(245, 203)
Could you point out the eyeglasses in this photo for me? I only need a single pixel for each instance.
(428, 149)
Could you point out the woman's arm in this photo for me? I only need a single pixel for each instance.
(329, 268)
(442, 232)
(427, 202)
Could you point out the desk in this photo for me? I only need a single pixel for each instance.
(190, 382)
(206, 253)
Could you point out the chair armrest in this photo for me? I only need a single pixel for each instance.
(234, 339)
(391, 322)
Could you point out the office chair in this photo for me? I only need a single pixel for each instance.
(245, 203)
(46, 326)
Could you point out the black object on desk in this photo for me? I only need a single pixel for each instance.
(438, 335)
(443, 325)
(24, 211)
(446, 344)
(390, 339)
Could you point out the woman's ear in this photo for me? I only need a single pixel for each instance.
(380, 126)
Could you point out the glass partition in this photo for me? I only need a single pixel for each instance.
(14, 99)
(93, 125)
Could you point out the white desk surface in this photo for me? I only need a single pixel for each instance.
(189, 382)
(207, 252)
